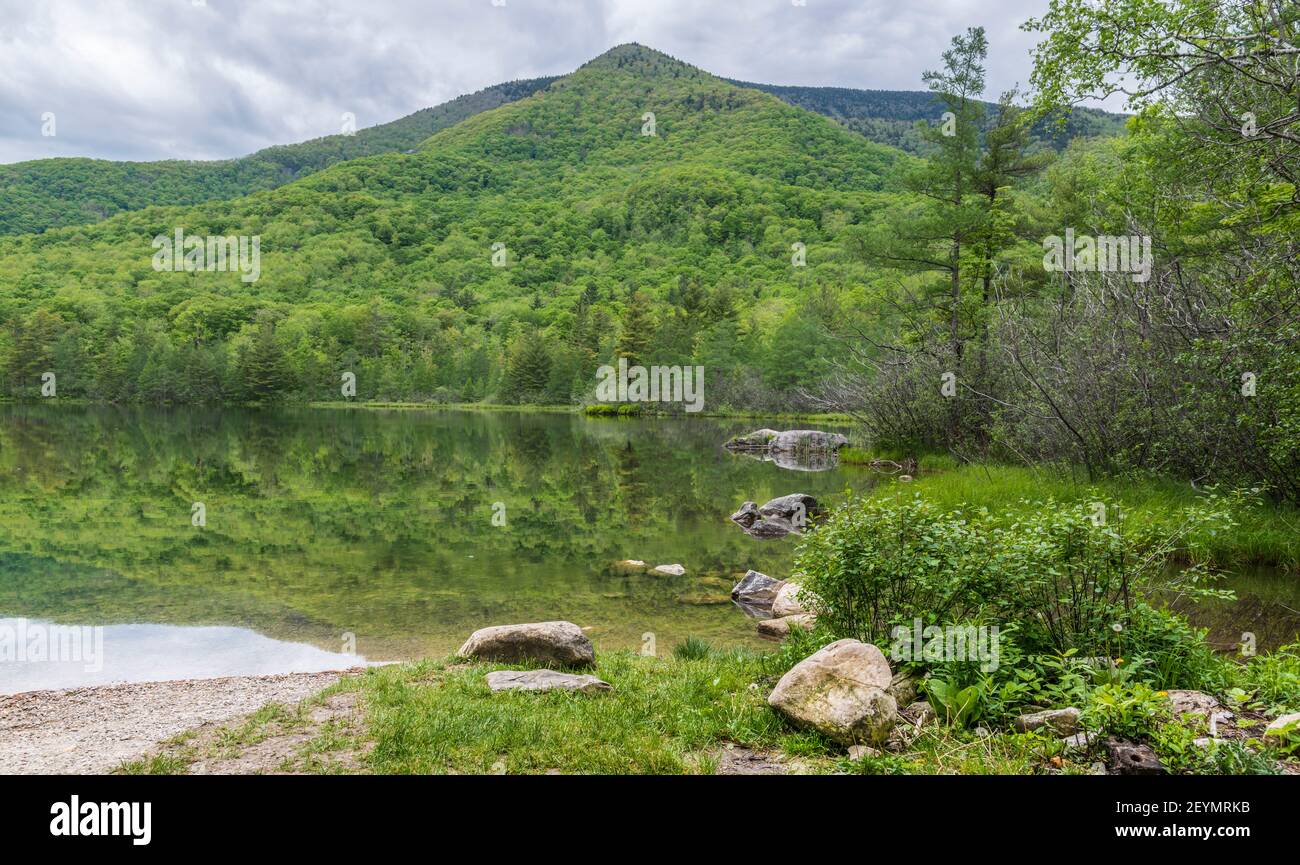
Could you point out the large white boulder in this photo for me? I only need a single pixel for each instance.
(839, 691)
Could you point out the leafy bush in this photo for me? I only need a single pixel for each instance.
(1133, 711)
(881, 562)
(1271, 681)
(1068, 576)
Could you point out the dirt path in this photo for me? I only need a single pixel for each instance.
(92, 730)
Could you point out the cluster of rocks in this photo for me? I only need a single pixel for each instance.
(561, 644)
(780, 605)
(784, 515)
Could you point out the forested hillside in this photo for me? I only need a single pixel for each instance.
(669, 247)
(890, 116)
(49, 193)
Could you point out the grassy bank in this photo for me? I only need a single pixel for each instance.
(1266, 534)
(700, 711)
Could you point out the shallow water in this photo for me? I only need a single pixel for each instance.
(333, 535)
(373, 532)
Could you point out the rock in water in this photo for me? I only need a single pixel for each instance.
(755, 441)
(839, 691)
(544, 680)
(807, 439)
(795, 507)
(561, 643)
(669, 570)
(756, 591)
(774, 527)
(747, 515)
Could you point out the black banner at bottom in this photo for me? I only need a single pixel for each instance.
(303, 814)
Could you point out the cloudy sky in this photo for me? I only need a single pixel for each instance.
(210, 79)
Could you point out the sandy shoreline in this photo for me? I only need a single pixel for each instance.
(93, 730)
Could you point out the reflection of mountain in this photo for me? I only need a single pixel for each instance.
(379, 523)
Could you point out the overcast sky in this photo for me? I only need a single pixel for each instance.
(211, 79)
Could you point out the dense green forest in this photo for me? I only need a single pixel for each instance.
(890, 116)
(50, 193)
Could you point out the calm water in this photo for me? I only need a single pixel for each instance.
(337, 536)
(368, 533)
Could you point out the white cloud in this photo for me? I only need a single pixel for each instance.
(160, 79)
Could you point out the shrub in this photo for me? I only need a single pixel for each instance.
(1067, 576)
(881, 562)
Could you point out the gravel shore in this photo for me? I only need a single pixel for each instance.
(93, 730)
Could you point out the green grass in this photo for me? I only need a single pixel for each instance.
(1266, 534)
(664, 716)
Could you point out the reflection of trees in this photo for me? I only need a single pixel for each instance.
(365, 520)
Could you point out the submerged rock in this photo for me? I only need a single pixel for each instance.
(839, 691)
(669, 570)
(545, 680)
(561, 643)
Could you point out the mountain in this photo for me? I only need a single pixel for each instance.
(49, 193)
(386, 265)
(890, 116)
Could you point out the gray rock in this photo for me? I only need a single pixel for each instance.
(747, 515)
(807, 439)
(920, 713)
(770, 529)
(1130, 758)
(669, 570)
(1274, 729)
(859, 752)
(789, 601)
(561, 643)
(780, 628)
(795, 507)
(1080, 741)
(1193, 703)
(1062, 722)
(545, 680)
(839, 691)
(756, 591)
(904, 688)
(758, 440)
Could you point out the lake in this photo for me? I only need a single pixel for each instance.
(331, 536)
